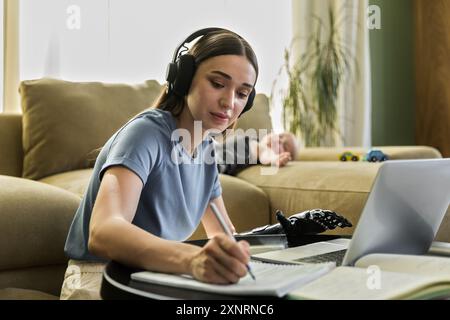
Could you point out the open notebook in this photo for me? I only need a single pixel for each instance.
(271, 279)
(383, 276)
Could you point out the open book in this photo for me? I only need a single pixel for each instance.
(271, 279)
(383, 276)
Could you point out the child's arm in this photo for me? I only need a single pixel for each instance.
(267, 156)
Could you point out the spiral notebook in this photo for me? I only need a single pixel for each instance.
(271, 279)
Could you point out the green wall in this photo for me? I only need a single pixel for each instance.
(392, 67)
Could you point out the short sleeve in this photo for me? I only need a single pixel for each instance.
(136, 146)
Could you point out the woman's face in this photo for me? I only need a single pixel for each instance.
(219, 90)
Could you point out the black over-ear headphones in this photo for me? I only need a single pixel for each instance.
(182, 68)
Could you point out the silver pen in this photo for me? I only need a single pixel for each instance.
(227, 231)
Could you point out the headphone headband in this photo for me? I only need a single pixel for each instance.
(192, 37)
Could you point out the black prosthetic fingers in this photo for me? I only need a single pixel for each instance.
(312, 221)
(303, 223)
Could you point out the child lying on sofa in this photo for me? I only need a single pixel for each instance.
(240, 152)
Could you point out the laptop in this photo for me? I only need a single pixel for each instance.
(402, 215)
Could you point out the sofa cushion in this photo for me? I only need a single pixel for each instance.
(300, 185)
(25, 294)
(48, 278)
(339, 186)
(394, 152)
(258, 117)
(75, 181)
(34, 221)
(11, 144)
(63, 122)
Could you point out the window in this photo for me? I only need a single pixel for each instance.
(133, 40)
(1, 57)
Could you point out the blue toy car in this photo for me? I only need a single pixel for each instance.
(375, 155)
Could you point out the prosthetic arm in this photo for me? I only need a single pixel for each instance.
(303, 223)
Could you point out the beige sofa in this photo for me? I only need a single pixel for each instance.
(46, 160)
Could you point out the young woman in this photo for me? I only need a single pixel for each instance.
(140, 203)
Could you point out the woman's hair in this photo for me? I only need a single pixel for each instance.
(212, 44)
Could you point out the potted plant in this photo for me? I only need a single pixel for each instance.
(310, 100)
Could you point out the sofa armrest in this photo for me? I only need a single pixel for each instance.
(11, 144)
(34, 222)
(394, 152)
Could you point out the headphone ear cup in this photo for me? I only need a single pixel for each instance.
(184, 75)
(250, 99)
(171, 74)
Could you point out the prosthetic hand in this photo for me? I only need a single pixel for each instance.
(303, 223)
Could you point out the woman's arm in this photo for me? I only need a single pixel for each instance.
(214, 229)
(210, 223)
(113, 236)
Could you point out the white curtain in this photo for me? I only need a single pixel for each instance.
(354, 105)
(11, 98)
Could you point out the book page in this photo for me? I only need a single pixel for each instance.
(349, 283)
(436, 267)
(271, 279)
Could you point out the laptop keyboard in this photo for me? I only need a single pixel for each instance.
(335, 256)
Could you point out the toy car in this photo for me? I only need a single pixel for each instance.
(375, 155)
(347, 156)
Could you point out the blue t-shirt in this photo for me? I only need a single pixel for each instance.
(176, 187)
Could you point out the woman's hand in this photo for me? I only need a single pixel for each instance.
(222, 260)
